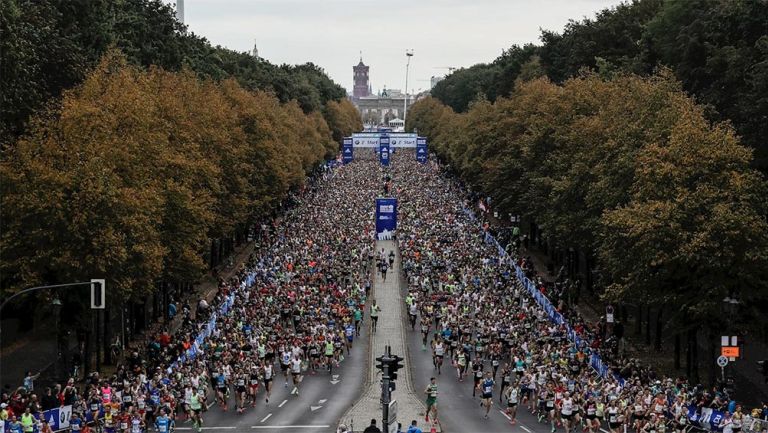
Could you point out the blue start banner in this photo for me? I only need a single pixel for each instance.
(384, 151)
(386, 218)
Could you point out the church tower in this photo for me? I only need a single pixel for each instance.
(361, 87)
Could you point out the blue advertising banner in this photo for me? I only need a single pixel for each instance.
(347, 152)
(421, 150)
(386, 218)
(384, 151)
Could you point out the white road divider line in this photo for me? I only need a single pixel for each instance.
(208, 428)
(289, 426)
(525, 428)
(266, 417)
(505, 415)
(604, 430)
(281, 404)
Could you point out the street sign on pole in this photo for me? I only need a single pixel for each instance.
(392, 412)
(722, 361)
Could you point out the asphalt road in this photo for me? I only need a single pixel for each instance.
(458, 411)
(322, 400)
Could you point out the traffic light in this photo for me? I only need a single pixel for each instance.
(381, 362)
(396, 363)
(98, 294)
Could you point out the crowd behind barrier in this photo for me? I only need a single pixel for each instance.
(700, 417)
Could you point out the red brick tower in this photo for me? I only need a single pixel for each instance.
(361, 87)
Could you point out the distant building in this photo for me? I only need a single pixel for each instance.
(361, 87)
(375, 109)
(255, 51)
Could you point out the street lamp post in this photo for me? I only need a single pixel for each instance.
(408, 55)
(56, 303)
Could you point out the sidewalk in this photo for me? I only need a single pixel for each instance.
(389, 331)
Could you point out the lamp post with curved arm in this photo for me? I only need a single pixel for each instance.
(56, 301)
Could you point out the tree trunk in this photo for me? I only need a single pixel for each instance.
(677, 351)
(648, 326)
(87, 355)
(659, 328)
(108, 336)
(695, 356)
(688, 354)
(639, 320)
(213, 262)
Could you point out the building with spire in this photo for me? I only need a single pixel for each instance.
(361, 85)
(255, 52)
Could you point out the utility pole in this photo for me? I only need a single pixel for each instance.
(408, 54)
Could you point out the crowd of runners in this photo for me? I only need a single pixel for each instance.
(304, 309)
(483, 328)
(300, 316)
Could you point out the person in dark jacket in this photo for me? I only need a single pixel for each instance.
(372, 428)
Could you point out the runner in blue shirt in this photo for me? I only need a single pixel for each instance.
(349, 332)
(75, 423)
(163, 423)
(486, 387)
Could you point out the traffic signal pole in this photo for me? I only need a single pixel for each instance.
(386, 394)
(388, 364)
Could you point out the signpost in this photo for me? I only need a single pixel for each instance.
(729, 347)
(722, 361)
(392, 415)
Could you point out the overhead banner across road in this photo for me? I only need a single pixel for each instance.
(397, 139)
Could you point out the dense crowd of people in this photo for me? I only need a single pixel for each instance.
(297, 305)
(295, 308)
(483, 327)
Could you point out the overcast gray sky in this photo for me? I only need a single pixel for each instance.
(331, 33)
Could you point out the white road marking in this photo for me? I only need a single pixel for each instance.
(281, 404)
(208, 428)
(212, 403)
(604, 430)
(322, 401)
(266, 417)
(505, 415)
(314, 408)
(525, 428)
(334, 382)
(288, 426)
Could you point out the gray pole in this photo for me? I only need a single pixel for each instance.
(386, 395)
(408, 54)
